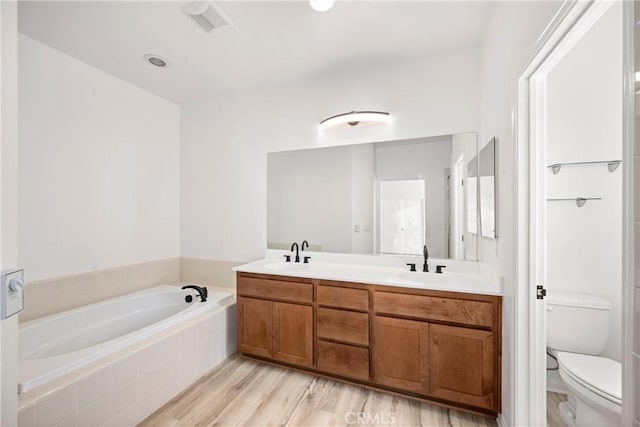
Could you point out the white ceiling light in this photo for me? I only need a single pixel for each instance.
(355, 119)
(206, 15)
(321, 5)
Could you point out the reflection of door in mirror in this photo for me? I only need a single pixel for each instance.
(457, 211)
(402, 216)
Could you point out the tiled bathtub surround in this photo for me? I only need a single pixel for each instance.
(208, 272)
(125, 388)
(51, 296)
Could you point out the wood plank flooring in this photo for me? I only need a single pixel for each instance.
(244, 392)
(553, 413)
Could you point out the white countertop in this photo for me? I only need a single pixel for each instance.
(374, 275)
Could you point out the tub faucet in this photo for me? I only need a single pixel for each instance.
(202, 291)
(295, 245)
(425, 266)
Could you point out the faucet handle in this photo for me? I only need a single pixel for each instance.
(439, 268)
(306, 259)
(287, 258)
(412, 266)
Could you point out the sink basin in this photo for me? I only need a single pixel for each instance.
(433, 279)
(419, 278)
(286, 266)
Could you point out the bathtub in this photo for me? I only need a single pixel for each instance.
(53, 346)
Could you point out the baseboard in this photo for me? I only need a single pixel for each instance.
(501, 421)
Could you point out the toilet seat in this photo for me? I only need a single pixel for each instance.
(598, 378)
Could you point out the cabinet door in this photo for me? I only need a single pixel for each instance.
(401, 354)
(293, 333)
(254, 326)
(461, 365)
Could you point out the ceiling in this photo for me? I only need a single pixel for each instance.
(270, 43)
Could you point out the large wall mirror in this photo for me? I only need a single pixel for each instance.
(388, 198)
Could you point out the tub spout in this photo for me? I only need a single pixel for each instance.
(202, 291)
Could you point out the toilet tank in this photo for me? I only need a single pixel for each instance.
(577, 322)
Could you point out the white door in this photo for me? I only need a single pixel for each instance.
(402, 216)
(534, 116)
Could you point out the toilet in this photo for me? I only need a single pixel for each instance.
(577, 332)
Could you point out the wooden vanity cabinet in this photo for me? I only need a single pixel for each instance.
(342, 329)
(434, 345)
(254, 323)
(275, 319)
(401, 354)
(293, 333)
(462, 365)
(444, 345)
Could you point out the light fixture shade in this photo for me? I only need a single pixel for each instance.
(355, 119)
(321, 5)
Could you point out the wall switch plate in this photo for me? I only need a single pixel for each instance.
(12, 292)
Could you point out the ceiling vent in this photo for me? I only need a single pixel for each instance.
(206, 15)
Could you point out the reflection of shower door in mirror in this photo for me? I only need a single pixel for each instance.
(402, 217)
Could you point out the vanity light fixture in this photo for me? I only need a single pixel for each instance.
(355, 119)
(321, 5)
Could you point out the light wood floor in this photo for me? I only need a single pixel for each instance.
(553, 413)
(243, 392)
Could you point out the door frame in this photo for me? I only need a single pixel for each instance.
(572, 20)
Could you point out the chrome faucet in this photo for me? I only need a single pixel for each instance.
(425, 266)
(295, 245)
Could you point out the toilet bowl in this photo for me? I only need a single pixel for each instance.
(578, 327)
(595, 388)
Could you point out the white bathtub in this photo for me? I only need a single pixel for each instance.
(55, 345)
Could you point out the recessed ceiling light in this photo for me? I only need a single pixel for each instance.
(155, 60)
(321, 5)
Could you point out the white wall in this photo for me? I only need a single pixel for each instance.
(584, 246)
(508, 46)
(8, 211)
(224, 141)
(98, 168)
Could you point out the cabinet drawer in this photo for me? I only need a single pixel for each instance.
(453, 310)
(333, 296)
(344, 360)
(340, 325)
(275, 289)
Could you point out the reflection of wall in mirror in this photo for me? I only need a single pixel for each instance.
(427, 159)
(308, 198)
(464, 150)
